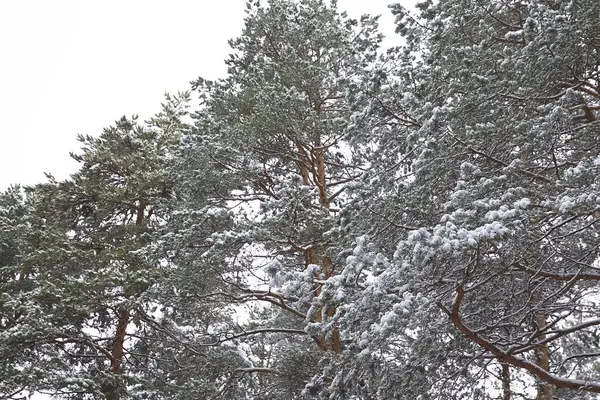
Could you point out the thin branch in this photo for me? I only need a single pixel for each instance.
(557, 276)
(497, 161)
(264, 330)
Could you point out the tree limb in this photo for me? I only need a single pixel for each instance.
(503, 356)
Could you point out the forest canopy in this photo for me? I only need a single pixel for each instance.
(330, 220)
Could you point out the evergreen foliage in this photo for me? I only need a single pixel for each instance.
(329, 220)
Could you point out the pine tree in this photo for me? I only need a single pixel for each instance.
(267, 170)
(76, 279)
(494, 276)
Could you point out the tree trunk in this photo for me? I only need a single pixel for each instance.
(314, 165)
(542, 359)
(112, 389)
(319, 160)
(506, 381)
(118, 347)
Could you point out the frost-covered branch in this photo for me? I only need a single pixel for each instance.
(503, 356)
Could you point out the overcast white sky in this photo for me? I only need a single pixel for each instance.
(72, 66)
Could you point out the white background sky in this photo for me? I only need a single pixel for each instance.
(71, 66)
